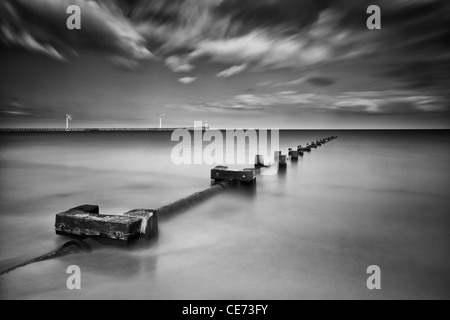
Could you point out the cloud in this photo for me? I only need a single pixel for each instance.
(260, 35)
(264, 51)
(15, 109)
(314, 80)
(370, 103)
(264, 84)
(291, 83)
(320, 81)
(234, 70)
(178, 64)
(265, 34)
(390, 102)
(40, 26)
(253, 14)
(187, 80)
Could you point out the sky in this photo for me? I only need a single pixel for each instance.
(297, 64)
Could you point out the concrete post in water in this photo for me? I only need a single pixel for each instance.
(149, 222)
(300, 149)
(106, 228)
(259, 161)
(282, 161)
(221, 173)
(294, 155)
(277, 155)
(85, 221)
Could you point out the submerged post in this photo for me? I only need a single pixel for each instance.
(294, 155)
(259, 161)
(277, 155)
(282, 161)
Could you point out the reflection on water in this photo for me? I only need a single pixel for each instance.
(309, 232)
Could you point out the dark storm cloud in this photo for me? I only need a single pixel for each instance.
(415, 44)
(158, 11)
(422, 74)
(40, 25)
(252, 36)
(419, 23)
(291, 13)
(244, 33)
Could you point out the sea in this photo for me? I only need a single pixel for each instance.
(368, 198)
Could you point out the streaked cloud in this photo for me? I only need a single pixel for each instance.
(234, 70)
(178, 64)
(187, 80)
(369, 103)
(261, 35)
(15, 109)
(40, 25)
(296, 45)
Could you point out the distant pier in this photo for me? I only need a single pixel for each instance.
(20, 130)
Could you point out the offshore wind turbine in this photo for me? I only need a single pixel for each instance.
(161, 115)
(68, 118)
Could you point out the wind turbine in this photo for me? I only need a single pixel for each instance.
(161, 115)
(68, 118)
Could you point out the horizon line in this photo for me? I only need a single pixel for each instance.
(211, 129)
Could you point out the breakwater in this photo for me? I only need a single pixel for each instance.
(32, 130)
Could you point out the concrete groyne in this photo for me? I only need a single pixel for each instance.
(91, 229)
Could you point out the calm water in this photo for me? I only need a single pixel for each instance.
(367, 198)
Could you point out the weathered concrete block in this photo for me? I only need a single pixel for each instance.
(303, 149)
(293, 154)
(149, 222)
(221, 173)
(83, 224)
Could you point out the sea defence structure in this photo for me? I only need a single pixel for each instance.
(86, 221)
(36, 130)
(90, 229)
